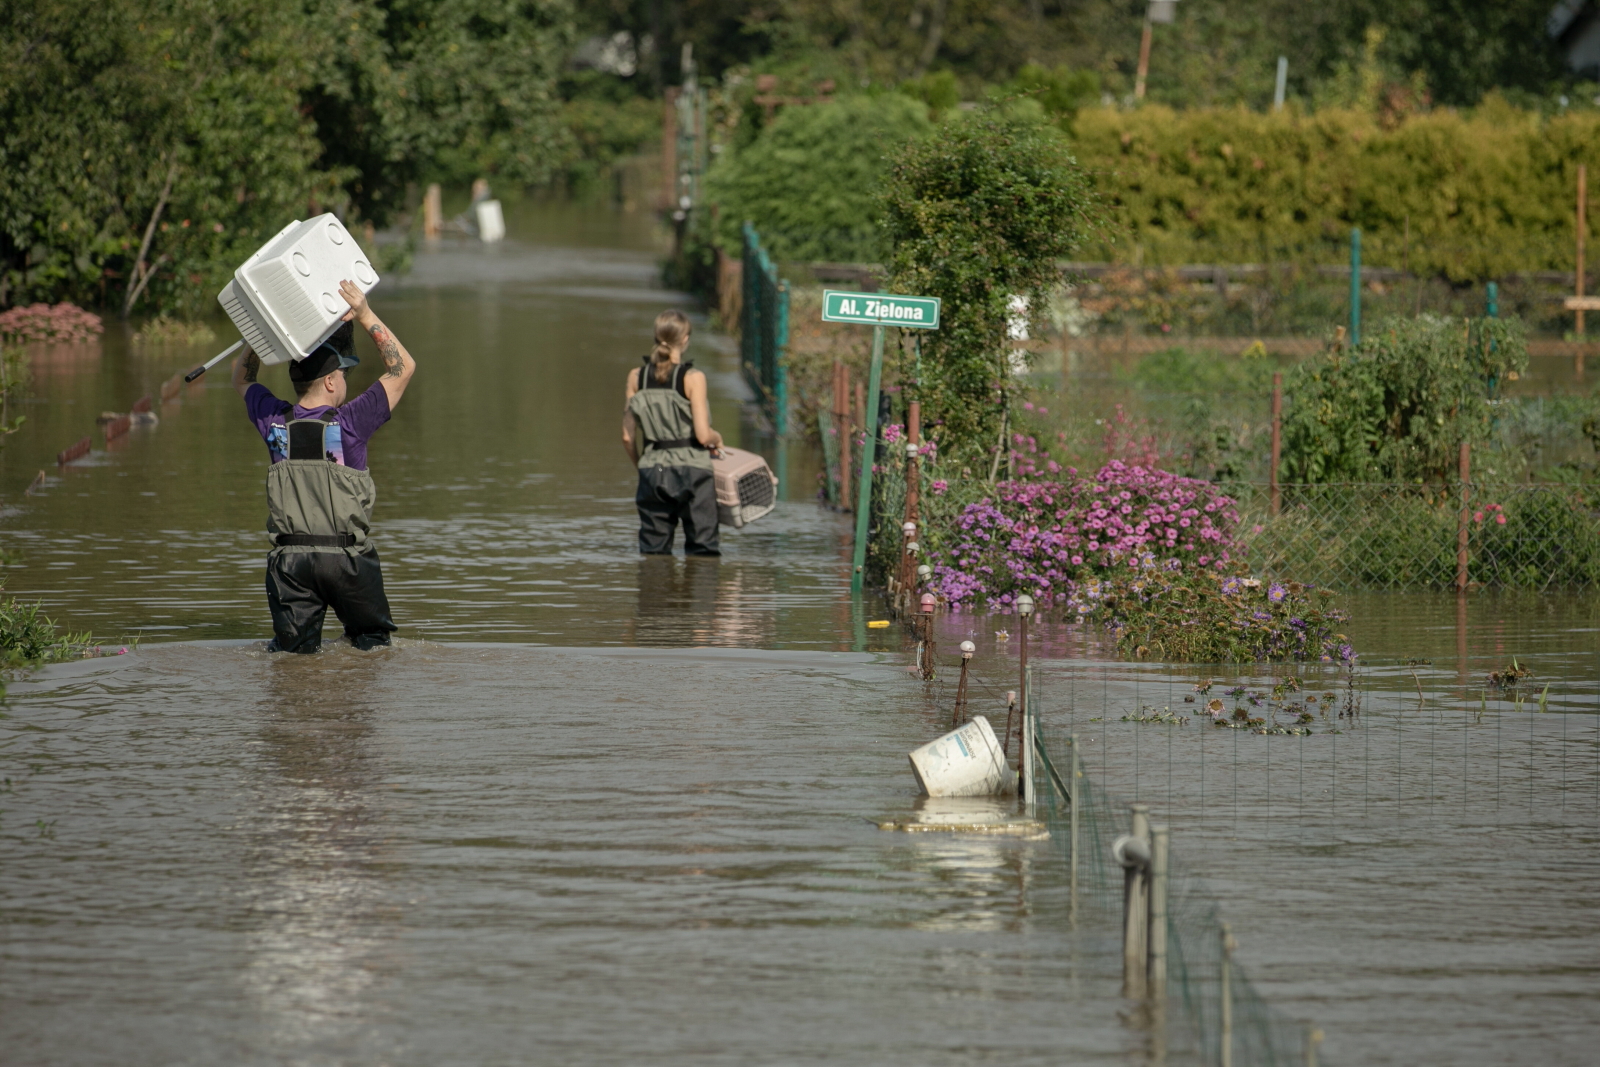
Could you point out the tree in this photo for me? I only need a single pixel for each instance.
(978, 215)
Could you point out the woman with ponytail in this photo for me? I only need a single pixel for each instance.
(666, 431)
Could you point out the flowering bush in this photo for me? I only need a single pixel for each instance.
(1203, 617)
(1044, 536)
(63, 323)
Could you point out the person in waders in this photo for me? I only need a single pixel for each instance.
(666, 431)
(319, 494)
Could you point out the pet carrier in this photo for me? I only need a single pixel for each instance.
(746, 487)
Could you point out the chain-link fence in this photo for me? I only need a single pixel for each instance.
(1389, 536)
(764, 330)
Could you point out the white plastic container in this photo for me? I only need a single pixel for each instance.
(965, 763)
(491, 221)
(746, 487)
(285, 299)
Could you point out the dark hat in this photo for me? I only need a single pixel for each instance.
(323, 361)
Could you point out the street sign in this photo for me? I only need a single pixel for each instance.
(881, 309)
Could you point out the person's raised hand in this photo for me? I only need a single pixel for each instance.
(356, 299)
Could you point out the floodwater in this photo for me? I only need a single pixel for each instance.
(598, 809)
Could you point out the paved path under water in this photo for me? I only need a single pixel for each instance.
(472, 849)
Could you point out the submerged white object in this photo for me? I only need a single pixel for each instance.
(746, 487)
(491, 221)
(964, 763)
(285, 299)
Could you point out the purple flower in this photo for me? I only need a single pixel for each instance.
(1276, 592)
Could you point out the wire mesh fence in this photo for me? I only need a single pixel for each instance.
(1361, 777)
(764, 330)
(1392, 536)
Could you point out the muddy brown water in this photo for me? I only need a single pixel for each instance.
(594, 809)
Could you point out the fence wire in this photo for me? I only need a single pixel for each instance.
(1390, 536)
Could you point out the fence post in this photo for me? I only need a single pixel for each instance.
(1225, 1036)
(1491, 293)
(780, 383)
(1355, 287)
(1313, 1041)
(1133, 852)
(1277, 439)
(1072, 837)
(1461, 521)
(869, 450)
(1157, 976)
(1583, 232)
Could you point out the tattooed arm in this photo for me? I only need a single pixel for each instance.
(245, 367)
(397, 362)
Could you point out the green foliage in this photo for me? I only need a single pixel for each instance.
(1468, 196)
(1191, 616)
(809, 182)
(938, 90)
(977, 214)
(1061, 92)
(248, 114)
(28, 638)
(1397, 407)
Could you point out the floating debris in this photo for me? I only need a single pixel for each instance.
(1509, 676)
(1165, 715)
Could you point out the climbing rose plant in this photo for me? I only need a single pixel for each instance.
(1043, 536)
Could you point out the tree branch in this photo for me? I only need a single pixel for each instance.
(140, 274)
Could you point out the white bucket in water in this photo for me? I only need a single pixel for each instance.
(491, 221)
(964, 763)
(746, 487)
(285, 298)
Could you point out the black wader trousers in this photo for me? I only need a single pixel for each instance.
(301, 586)
(670, 495)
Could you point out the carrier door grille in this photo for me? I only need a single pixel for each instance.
(755, 489)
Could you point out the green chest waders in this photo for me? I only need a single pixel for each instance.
(319, 515)
(676, 484)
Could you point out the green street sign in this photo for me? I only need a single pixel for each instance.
(881, 309)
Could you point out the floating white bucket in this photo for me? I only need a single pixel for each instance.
(746, 487)
(491, 221)
(965, 763)
(285, 299)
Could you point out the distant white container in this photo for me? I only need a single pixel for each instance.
(965, 763)
(491, 221)
(285, 299)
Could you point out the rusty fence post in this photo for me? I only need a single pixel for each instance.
(1461, 522)
(1277, 440)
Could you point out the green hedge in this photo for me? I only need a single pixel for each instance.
(1486, 193)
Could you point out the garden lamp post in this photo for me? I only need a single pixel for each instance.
(1024, 606)
(1157, 11)
(928, 603)
(967, 649)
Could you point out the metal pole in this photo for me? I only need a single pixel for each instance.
(1225, 1052)
(1313, 1041)
(1492, 301)
(1136, 911)
(1355, 287)
(780, 386)
(1157, 977)
(1461, 521)
(1283, 83)
(1277, 437)
(1029, 795)
(868, 457)
(1073, 773)
(1583, 232)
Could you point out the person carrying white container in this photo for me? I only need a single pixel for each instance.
(666, 431)
(319, 493)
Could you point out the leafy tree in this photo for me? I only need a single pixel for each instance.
(978, 214)
(1398, 406)
(810, 181)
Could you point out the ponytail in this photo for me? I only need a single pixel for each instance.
(672, 332)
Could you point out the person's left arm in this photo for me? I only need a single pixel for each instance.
(397, 362)
(245, 368)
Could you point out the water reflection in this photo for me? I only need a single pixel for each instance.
(312, 899)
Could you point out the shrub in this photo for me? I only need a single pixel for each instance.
(1398, 406)
(61, 324)
(1198, 617)
(978, 215)
(810, 181)
(1043, 536)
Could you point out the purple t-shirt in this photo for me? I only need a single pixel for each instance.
(347, 438)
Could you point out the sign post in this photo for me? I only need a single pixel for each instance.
(876, 310)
